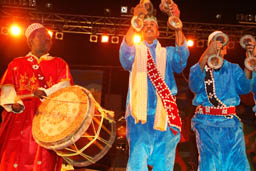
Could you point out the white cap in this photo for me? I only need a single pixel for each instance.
(212, 35)
(31, 28)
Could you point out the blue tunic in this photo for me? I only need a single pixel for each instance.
(220, 140)
(149, 146)
(173, 64)
(254, 89)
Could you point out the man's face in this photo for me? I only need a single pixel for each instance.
(150, 31)
(41, 41)
(223, 51)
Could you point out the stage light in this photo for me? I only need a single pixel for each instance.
(200, 43)
(49, 5)
(104, 39)
(20, 3)
(231, 45)
(4, 30)
(250, 17)
(50, 33)
(190, 42)
(124, 9)
(115, 39)
(15, 30)
(59, 36)
(93, 38)
(107, 12)
(136, 38)
(245, 18)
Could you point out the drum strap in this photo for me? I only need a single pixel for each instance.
(38, 72)
(164, 92)
(210, 88)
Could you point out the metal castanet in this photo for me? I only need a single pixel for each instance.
(216, 61)
(137, 21)
(250, 61)
(173, 22)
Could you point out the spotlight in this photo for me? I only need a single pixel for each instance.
(93, 38)
(115, 39)
(231, 45)
(190, 42)
(249, 17)
(4, 30)
(124, 9)
(200, 43)
(104, 39)
(15, 30)
(107, 12)
(49, 5)
(218, 16)
(50, 33)
(32, 3)
(136, 38)
(59, 36)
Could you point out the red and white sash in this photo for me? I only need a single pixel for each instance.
(164, 92)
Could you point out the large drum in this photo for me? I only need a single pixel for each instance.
(73, 124)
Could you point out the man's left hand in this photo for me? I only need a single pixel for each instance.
(251, 47)
(174, 10)
(40, 94)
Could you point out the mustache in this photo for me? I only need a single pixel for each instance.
(149, 29)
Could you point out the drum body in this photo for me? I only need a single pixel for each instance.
(73, 124)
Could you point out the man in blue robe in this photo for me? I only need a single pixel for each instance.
(219, 133)
(151, 141)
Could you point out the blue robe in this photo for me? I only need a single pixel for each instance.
(220, 140)
(148, 146)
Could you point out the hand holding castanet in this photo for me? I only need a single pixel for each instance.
(172, 10)
(248, 43)
(145, 7)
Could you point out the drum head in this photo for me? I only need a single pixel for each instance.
(60, 117)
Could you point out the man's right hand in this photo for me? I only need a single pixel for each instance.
(40, 94)
(212, 49)
(16, 107)
(251, 47)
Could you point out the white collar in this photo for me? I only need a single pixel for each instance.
(43, 57)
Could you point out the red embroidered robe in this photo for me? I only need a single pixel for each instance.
(18, 150)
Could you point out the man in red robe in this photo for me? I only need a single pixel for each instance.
(36, 75)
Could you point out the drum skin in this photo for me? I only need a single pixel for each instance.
(73, 124)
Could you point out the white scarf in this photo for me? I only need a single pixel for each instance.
(139, 86)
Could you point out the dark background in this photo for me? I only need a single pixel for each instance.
(84, 55)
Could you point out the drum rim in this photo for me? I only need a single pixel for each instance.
(69, 139)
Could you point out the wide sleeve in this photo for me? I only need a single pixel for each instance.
(126, 55)
(254, 83)
(243, 85)
(63, 72)
(8, 95)
(254, 89)
(179, 56)
(196, 79)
